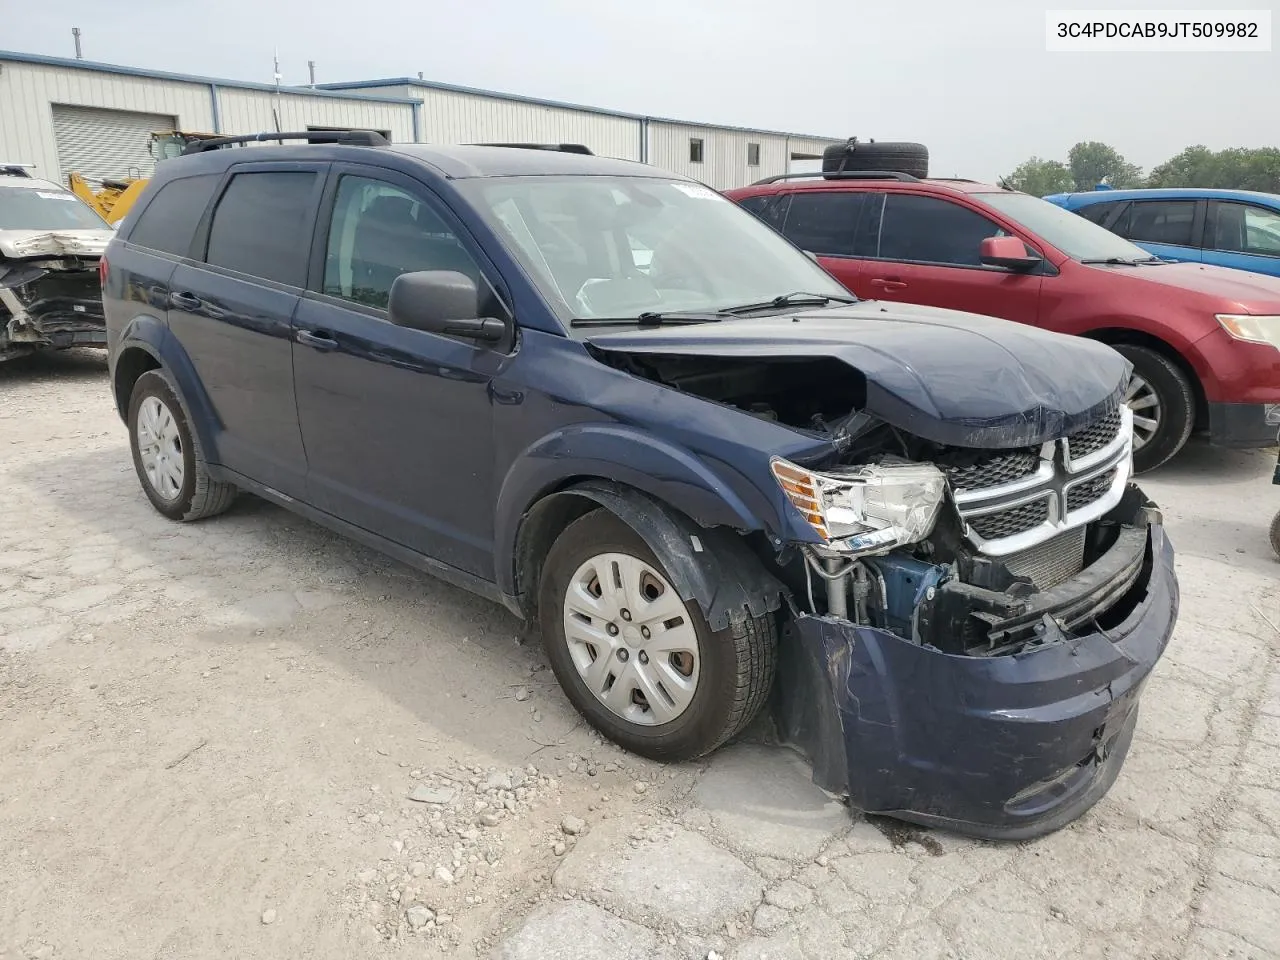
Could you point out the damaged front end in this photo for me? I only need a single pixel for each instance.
(50, 295)
(984, 675)
(977, 589)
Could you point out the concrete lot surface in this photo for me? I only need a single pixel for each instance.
(249, 738)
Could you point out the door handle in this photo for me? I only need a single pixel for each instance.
(185, 301)
(319, 341)
(885, 284)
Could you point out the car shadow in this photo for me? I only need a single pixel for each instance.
(61, 365)
(1199, 463)
(261, 577)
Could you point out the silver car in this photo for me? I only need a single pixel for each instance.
(51, 243)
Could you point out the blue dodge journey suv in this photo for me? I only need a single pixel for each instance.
(610, 399)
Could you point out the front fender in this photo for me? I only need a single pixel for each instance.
(154, 338)
(632, 458)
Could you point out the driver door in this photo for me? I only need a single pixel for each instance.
(397, 423)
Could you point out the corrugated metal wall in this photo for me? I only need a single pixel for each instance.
(250, 111)
(724, 153)
(449, 117)
(28, 91)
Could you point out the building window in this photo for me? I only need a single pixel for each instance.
(753, 154)
(695, 149)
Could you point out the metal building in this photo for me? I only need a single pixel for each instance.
(68, 115)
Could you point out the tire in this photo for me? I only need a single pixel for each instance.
(731, 675)
(1275, 534)
(891, 157)
(179, 485)
(1158, 377)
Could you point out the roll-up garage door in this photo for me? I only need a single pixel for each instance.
(98, 143)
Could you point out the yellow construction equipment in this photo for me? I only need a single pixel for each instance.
(113, 199)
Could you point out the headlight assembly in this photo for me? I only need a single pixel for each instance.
(865, 509)
(1243, 326)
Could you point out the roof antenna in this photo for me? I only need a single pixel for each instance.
(275, 111)
(75, 35)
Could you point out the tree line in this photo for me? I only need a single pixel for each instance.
(1091, 163)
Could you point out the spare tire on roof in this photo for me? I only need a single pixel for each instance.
(889, 156)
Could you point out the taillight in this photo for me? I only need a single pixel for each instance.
(102, 271)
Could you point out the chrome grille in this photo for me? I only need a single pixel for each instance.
(1072, 482)
(992, 471)
(1094, 437)
(1083, 494)
(1052, 562)
(1007, 523)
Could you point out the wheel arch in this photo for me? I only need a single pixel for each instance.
(1127, 336)
(712, 566)
(146, 343)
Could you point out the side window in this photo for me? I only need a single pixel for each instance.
(929, 230)
(825, 223)
(168, 222)
(1096, 212)
(1162, 221)
(771, 208)
(260, 226)
(379, 232)
(1244, 228)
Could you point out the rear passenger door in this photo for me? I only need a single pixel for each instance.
(398, 423)
(929, 251)
(233, 315)
(1243, 235)
(826, 223)
(1170, 229)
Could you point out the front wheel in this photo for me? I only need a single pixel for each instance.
(637, 661)
(1163, 405)
(1275, 534)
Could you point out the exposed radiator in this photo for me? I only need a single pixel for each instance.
(1052, 562)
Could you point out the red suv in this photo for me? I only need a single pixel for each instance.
(1204, 341)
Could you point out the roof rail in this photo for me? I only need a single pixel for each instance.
(16, 169)
(557, 147)
(843, 175)
(357, 138)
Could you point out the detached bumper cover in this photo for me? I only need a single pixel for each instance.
(1005, 747)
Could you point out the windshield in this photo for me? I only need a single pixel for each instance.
(619, 247)
(24, 208)
(1069, 232)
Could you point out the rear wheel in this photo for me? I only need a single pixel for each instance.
(167, 454)
(1275, 534)
(637, 661)
(1163, 405)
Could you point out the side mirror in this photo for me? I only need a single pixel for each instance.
(1007, 252)
(442, 301)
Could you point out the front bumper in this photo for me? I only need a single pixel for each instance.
(1004, 747)
(1244, 425)
(42, 307)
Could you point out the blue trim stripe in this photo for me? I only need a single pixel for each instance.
(539, 102)
(41, 60)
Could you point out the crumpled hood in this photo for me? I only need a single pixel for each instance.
(18, 244)
(950, 377)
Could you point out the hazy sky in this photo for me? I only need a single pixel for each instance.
(972, 79)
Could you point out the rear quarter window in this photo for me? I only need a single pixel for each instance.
(168, 223)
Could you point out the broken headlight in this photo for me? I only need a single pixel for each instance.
(865, 509)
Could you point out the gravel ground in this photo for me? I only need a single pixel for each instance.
(251, 738)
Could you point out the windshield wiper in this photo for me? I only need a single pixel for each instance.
(798, 299)
(650, 318)
(1119, 261)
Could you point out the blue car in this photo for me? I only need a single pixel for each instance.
(616, 402)
(1226, 228)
